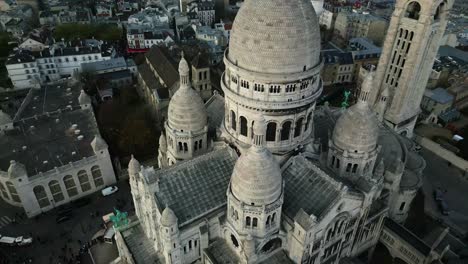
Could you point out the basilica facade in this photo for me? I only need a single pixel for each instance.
(280, 180)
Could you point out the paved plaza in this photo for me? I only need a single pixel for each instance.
(439, 174)
(58, 243)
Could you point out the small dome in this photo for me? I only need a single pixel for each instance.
(256, 178)
(357, 129)
(259, 125)
(186, 110)
(183, 66)
(275, 36)
(84, 99)
(162, 143)
(4, 118)
(133, 166)
(98, 143)
(168, 218)
(16, 170)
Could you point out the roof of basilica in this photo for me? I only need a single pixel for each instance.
(309, 188)
(196, 187)
(140, 246)
(275, 36)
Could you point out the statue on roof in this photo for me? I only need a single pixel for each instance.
(345, 102)
(120, 219)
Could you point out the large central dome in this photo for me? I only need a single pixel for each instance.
(275, 36)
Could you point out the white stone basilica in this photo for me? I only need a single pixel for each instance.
(280, 180)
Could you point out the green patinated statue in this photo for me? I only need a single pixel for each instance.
(345, 103)
(120, 219)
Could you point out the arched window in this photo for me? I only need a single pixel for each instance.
(271, 132)
(4, 192)
(234, 241)
(13, 194)
(180, 146)
(70, 185)
(243, 126)
(298, 129)
(309, 119)
(286, 130)
(273, 218)
(185, 147)
(413, 10)
(97, 176)
(233, 121)
(200, 143)
(254, 222)
(348, 167)
(354, 168)
(41, 196)
(247, 221)
(268, 221)
(337, 163)
(56, 191)
(195, 147)
(83, 179)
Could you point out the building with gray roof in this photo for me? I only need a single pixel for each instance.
(52, 152)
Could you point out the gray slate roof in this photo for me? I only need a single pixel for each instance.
(220, 253)
(215, 110)
(140, 246)
(306, 187)
(196, 187)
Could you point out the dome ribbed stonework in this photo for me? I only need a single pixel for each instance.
(186, 109)
(168, 218)
(256, 178)
(357, 129)
(275, 36)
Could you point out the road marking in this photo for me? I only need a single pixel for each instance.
(4, 221)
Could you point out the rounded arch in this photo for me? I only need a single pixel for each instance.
(298, 127)
(266, 241)
(56, 191)
(271, 131)
(272, 245)
(4, 192)
(286, 130)
(233, 121)
(243, 126)
(97, 176)
(70, 185)
(41, 196)
(83, 179)
(12, 190)
(413, 10)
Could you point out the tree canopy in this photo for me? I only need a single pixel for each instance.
(84, 31)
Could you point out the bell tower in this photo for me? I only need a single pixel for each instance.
(409, 51)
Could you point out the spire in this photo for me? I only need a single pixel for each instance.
(366, 86)
(259, 129)
(184, 72)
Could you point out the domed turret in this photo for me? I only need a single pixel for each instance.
(275, 36)
(98, 144)
(16, 170)
(256, 178)
(84, 99)
(162, 143)
(133, 166)
(186, 109)
(168, 218)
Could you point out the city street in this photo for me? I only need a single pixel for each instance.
(59, 242)
(438, 174)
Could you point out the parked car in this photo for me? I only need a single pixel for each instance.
(443, 207)
(61, 219)
(109, 190)
(23, 241)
